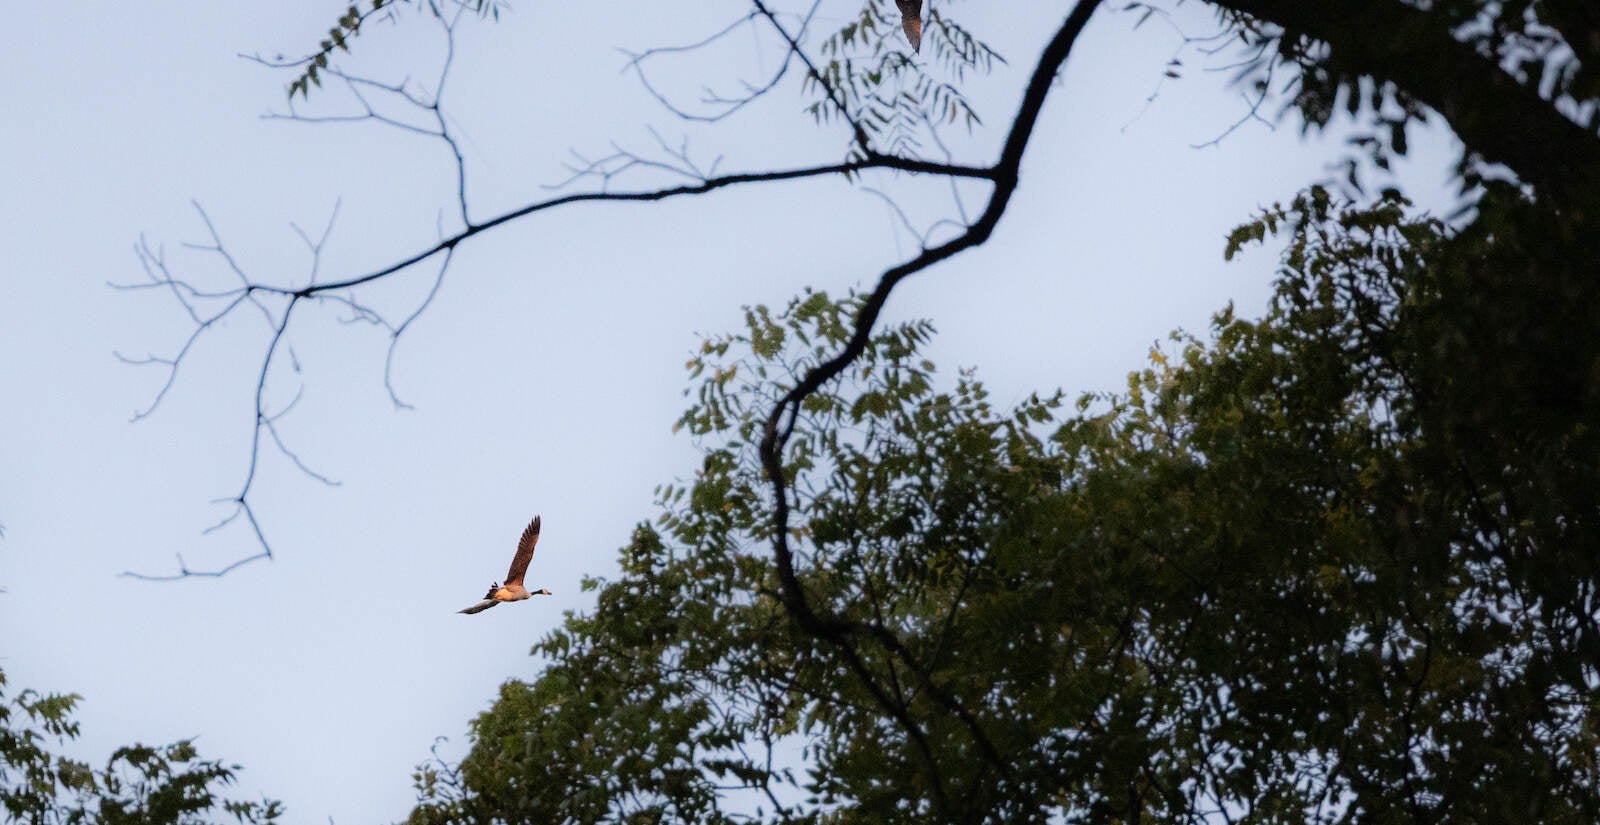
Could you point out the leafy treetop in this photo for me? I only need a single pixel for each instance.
(1332, 565)
(139, 785)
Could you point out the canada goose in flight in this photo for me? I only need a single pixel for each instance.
(513, 591)
(911, 21)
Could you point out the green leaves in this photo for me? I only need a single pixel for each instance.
(167, 785)
(1479, 64)
(885, 88)
(1332, 560)
(349, 26)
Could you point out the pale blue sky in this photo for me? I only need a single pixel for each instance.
(547, 374)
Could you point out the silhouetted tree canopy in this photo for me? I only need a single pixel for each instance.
(139, 785)
(1336, 564)
(1333, 565)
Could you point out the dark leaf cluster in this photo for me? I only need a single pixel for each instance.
(1332, 565)
(1481, 64)
(139, 785)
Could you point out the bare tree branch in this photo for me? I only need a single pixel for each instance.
(673, 159)
(644, 196)
(728, 105)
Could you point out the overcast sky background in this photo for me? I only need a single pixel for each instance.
(547, 374)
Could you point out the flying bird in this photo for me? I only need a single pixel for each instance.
(911, 20)
(513, 591)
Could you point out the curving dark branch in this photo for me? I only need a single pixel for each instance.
(843, 634)
(701, 187)
(1384, 45)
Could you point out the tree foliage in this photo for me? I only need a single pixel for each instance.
(1482, 65)
(139, 785)
(1336, 564)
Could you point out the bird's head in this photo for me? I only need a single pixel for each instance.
(541, 592)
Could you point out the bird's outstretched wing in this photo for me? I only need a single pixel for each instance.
(911, 20)
(480, 606)
(519, 562)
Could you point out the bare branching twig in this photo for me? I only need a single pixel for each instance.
(277, 301)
